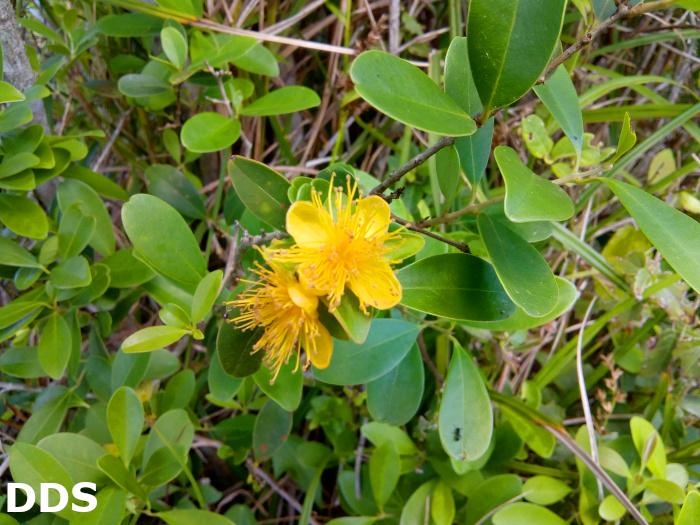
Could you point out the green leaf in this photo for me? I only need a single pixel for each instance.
(474, 151)
(529, 197)
(162, 239)
(524, 273)
(442, 504)
(235, 350)
(271, 430)
(649, 446)
(74, 231)
(408, 95)
(139, 85)
(169, 184)
(101, 184)
(459, 83)
(129, 25)
(204, 295)
(71, 273)
(526, 514)
(125, 418)
(510, 43)
(448, 174)
(384, 472)
(174, 46)
(665, 490)
(545, 490)
(12, 254)
(537, 438)
(173, 433)
(288, 99)
(261, 189)
(222, 386)
(33, 466)
(208, 131)
(287, 389)
(8, 93)
(110, 510)
(456, 286)
(78, 455)
(54, 345)
(519, 320)
(193, 516)
(71, 192)
(395, 397)
(47, 418)
(17, 163)
(388, 342)
(416, 511)
(690, 510)
(119, 474)
(23, 216)
(125, 270)
(190, 8)
(490, 494)
(466, 419)
(559, 96)
(672, 232)
(354, 324)
(152, 338)
(21, 361)
(610, 509)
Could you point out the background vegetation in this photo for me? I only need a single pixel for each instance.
(543, 364)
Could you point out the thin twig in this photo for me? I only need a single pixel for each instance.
(416, 161)
(462, 247)
(623, 11)
(110, 143)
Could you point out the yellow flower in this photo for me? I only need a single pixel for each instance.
(343, 244)
(288, 314)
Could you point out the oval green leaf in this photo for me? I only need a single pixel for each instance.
(465, 421)
(288, 99)
(174, 46)
(152, 338)
(12, 254)
(235, 350)
(672, 232)
(287, 388)
(261, 189)
(384, 472)
(510, 44)
(456, 286)
(406, 94)
(204, 295)
(125, 417)
(74, 231)
(192, 516)
(23, 216)
(387, 343)
(140, 85)
(690, 510)
(162, 239)
(522, 270)
(271, 430)
(168, 183)
(526, 514)
(529, 197)
(209, 131)
(54, 345)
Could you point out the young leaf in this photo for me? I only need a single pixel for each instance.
(510, 43)
(152, 338)
(205, 294)
(672, 232)
(559, 96)
(288, 99)
(529, 197)
(174, 46)
(408, 95)
(465, 421)
(456, 286)
(524, 273)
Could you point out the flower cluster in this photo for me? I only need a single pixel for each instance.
(338, 245)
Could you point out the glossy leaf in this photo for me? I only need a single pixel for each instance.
(408, 95)
(526, 514)
(208, 131)
(524, 273)
(559, 96)
(54, 345)
(456, 286)
(395, 397)
(152, 338)
(529, 197)
(510, 43)
(23, 216)
(158, 232)
(12, 254)
(204, 295)
(672, 232)
(388, 342)
(465, 421)
(261, 189)
(288, 99)
(125, 418)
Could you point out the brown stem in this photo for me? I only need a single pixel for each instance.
(462, 247)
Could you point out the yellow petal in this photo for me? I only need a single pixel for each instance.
(376, 285)
(374, 215)
(302, 298)
(308, 224)
(321, 350)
